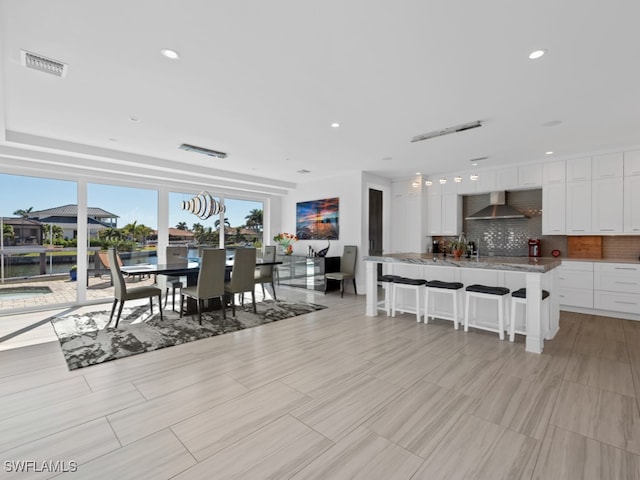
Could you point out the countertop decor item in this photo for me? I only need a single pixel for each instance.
(286, 240)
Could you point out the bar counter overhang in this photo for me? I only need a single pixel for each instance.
(539, 272)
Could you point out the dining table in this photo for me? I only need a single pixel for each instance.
(190, 269)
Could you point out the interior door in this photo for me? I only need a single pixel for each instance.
(375, 222)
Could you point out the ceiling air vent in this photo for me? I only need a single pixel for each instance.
(203, 151)
(439, 133)
(43, 64)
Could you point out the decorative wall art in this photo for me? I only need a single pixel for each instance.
(318, 219)
(203, 206)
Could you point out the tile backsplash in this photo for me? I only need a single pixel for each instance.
(509, 237)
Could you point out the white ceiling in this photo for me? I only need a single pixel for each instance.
(263, 81)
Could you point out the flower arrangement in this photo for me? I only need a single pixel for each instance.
(285, 240)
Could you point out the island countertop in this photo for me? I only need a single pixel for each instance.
(513, 264)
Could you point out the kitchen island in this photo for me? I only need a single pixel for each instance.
(512, 272)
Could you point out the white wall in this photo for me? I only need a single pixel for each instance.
(348, 188)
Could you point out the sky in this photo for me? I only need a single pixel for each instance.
(130, 204)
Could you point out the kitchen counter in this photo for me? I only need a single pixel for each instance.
(514, 264)
(533, 273)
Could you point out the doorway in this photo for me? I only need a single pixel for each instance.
(375, 224)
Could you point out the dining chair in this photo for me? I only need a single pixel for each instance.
(242, 276)
(175, 255)
(347, 269)
(122, 293)
(265, 274)
(210, 281)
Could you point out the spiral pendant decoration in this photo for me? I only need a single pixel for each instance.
(203, 206)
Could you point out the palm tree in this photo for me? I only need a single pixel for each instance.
(8, 232)
(110, 233)
(226, 223)
(197, 227)
(182, 226)
(49, 230)
(254, 220)
(23, 213)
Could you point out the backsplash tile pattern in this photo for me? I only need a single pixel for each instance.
(509, 237)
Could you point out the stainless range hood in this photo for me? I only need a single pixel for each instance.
(497, 209)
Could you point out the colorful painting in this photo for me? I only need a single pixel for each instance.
(318, 219)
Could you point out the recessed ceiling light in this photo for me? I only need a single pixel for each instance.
(475, 164)
(172, 54)
(473, 177)
(418, 173)
(537, 54)
(548, 153)
(428, 183)
(134, 119)
(335, 125)
(443, 181)
(386, 159)
(458, 179)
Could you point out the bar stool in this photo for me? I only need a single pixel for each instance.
(519, 297)
(496, 294)
(386, 281)
(451, 288)
(405, 283)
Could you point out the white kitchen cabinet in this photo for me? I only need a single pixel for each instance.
(578, 208)
(467, 186)
(486, 182)
(575, 284)
(507, 178)
(554, 203)
(451, 214)
(607, 166)
(631, 163)
(435, 214)
(607, 211)
(530, 176)
(632, 204)
(579, 169)
(617, 287)
(554, 173)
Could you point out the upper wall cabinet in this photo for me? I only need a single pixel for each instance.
(607, 205)
(579, 169)
(632, 204)
(607, 166)
(632, 163)
(486, 181)
(530, 176)
(507, 178)
(554, 173)
(578, 215)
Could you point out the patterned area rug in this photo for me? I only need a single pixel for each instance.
(86, 340)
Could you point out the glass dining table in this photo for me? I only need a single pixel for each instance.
(189, 269)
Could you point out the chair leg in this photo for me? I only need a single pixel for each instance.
(166, 297)
(355, 290)
(224, 307)
(200, 311)
(160, 305)
(181, 304)
(263, 292)
(113, 309)
(342, 288)
(151, 304)
(325, 286)
(466, 313)
(253, 299)
(119, 313)
(273, 286)
(233, 304)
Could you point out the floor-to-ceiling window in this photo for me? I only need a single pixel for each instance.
(38, 249)
(244, 223)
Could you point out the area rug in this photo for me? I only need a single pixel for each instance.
(87, 340)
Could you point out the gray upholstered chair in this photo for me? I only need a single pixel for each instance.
(210, 281)
(265, 274)
(176, 255)
(242, 276)
(347, 269)
(122, 293)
